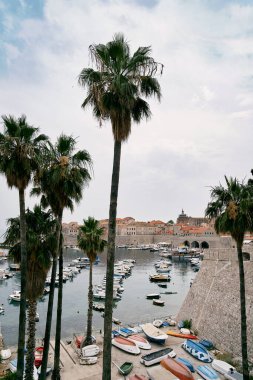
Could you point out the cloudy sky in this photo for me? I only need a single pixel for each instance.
(201, 130)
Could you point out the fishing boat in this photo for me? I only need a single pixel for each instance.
(153, 296)
(126, 345)
(187, 363)
(207, 372)
(140, 342)
(91, 350)
(38, 355)
(169, 366)
(222, 367)
(159, 277)
(156, 356)
(207, 344)
(197, 351)
(158, 302)
(88, 360)
(153, 333)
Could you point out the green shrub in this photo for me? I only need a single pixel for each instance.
(9, 376)
(187, 324)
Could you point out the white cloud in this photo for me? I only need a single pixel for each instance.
(191, 140)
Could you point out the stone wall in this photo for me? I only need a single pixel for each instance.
(213, 301)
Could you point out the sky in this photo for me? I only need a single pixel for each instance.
(201, 129)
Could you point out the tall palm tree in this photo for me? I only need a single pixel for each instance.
(40, 237)
(90, 241)
(114, 90)
(231, 206)
(62, 180)
(20, 147)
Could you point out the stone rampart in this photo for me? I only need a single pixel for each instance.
(213, 301)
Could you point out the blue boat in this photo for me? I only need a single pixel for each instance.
(186, 362)
(197, 351)
(207, 344)
(207, 372)
(180, 324)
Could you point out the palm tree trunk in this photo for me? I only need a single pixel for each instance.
(110, 263)
(31, 340)
(88, 339)
(50, 309)
(56, 370)
(244, 343)
(22, 310)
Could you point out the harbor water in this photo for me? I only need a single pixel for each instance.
(132, 308)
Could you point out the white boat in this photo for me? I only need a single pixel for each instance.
(185, 331)
(157, 356)
(5, 354)
(88, 360)
(15, 296)
(140, 342)
(222, 367)
(157, 323)
(153, 333)
(207, 372)
(91, 350)
(126, 345)
(1, 310)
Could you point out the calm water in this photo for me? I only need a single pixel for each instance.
(133, 307)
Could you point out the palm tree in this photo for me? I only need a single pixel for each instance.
(231, 206)
(20, 147)
(114, 91)
(90, 241)
(40, 245)
(62, 180)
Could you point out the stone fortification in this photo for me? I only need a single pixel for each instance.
(213, 301)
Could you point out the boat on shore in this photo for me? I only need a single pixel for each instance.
(197, 351)
(140, 342)
(187, 363)
(91, 350)
(156, 356)
(126, 345)
(180, 335)
(170, 367)
(222, 367)
(153, 333)
(207, 372)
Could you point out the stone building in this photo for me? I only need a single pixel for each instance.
(192, 221)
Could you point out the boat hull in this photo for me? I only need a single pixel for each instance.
(207, 372)
(126, 345)
(177, 369)
(153, 334)
(222, 367)
(187, 363)
(140, 342)
(179, 335)
(156, 357)
(197, 351)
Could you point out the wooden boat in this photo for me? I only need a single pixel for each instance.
(187, 363)
(207, 372)
(222, 367)
(91, 350)
(158, 302)
(169, 369)
(197, 351)
(126, 345)
(179, 335)
(88, 360)
(38, 355)
(156, 356)
(140, 342)
(126, 368)
(153, 296)
(154, 334)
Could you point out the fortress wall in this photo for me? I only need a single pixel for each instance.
(213, 301)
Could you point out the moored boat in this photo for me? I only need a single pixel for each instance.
(153, 333)
(159, 277)
(207, 372)
(158, 302)
(140, 342)
(180, 335)
(126, 345)
(156, 356)
(158, 323)
(197, 351)
(152, 296)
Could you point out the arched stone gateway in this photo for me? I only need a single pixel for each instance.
(187, 243)
(195, 244)
(204, 245)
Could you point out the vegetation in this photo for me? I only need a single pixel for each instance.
(90, 241)
(187, 324)
(231, 206)
(40, 238)
(61, 180)
(9, 376)
(20, 152)
(114, 90)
